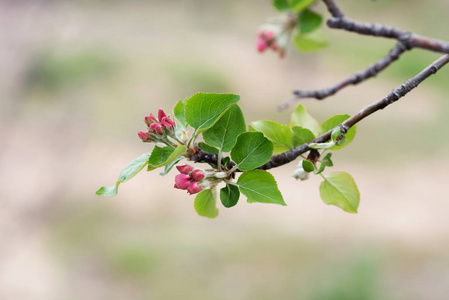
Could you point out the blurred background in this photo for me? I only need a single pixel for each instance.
(77, 77)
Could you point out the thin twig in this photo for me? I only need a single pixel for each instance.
(354, 79)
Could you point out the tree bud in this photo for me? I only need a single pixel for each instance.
(182, 181)
(197, 175)
(144, 136)
(185, 169)
(167, 123)
(194, 188)
(157, 128)
(160, 114)
(150, 120)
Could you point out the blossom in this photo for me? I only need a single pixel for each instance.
(197, 175)
(150, 120)
(194, 187)
(144, 136)
(167, 123)
(161, 114)
(182, 181)
(185, 169)
(157, 128)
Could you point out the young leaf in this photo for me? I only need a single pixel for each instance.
(223, 134)
(207, 148)
(310, 42)
(280, 135)
(229, 195)
(205, 204)
(308, 166)
(127, 173)
(179, 112)
(336, 133)
(162, 156)
(171, 165)
(299, 5)
(301, 136)
(300, 117)
(251, 150)
(339, 189)
(202, 110)
(260, 186)
(333, 122)
(281, 5)
(309, 21)
(326, 162)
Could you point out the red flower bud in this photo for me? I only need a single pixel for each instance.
(194, 188)
(261, 45)
(185, 169)
(150, 120)
(157, 128)
(182, 181)
(144, 136)
(197, 175)
(160, 114)
(167, 123)
(267, 35)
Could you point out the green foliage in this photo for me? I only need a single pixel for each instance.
(260, 186)
(309, 21)
(279, 135)
(293, 5)
(223, 134)
(208, 148)
(162, 156)
(205, 204)
(308, 166)
(127, 173)
(310, 42)
(229, 195)
(251, 150)
(300, 117)
(333, 122)
(202, 110)
(326, 162)
(301, 136)
(339, 189)
(179, 112)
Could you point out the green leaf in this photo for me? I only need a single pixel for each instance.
(207, 148)
(308, 166)
(309, 21)
(332, 123)
(281, 5)
(300, 117)
(280, 135)
(171, 165)
(339, 189)
(205, 204)
(299, 5)
(326, 162)
(202, 110)
(310, 42)
(223, 134)
(127, 173)
(260, 186)
(301, 136)
(336, 133)
(251, 150)
(162, 156)
(229, 195)
(179, 113)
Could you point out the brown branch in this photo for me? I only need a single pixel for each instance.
(356, 78)
(396, 94)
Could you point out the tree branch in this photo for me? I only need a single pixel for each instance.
(354, 79)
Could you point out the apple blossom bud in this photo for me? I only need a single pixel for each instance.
(144, 136)
(300, 173)
(268, 35)
(160, 114)
(221, 175)
(167, 123)
(185, 169)
(194, 188)
(157, 128)
(182, 181)
(197, 175)
(261, 45)
(150, 119)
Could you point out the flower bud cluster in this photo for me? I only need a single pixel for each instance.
(157, 128)
(276, 36)
(195, 180)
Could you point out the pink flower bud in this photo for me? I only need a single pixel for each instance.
(157, 128)
(197, 175)
(274, 46)
(182, 181)
(160, 114)
(150, 120)
(268, 35)
(194, 188)
(144, 136)
(167, 123)
(261, 45)
(185, 169)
